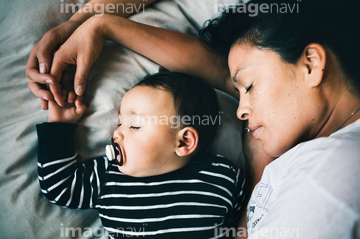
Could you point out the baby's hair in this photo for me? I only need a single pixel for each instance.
(192, 98)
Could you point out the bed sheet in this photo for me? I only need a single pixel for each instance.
(24, 211)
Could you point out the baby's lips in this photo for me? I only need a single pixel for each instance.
(112, 153)
(118, 155)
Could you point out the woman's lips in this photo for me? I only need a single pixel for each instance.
(255, 129)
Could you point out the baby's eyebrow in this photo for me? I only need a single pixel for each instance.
(131, 113)
(136, 113)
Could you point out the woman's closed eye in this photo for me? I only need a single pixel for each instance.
(248, 89)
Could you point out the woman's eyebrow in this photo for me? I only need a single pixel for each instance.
(236, 74)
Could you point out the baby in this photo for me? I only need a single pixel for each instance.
(157, 180)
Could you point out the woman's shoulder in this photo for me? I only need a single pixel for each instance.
(313, 180)
(343, 145)
(330, 164)
(326, 158)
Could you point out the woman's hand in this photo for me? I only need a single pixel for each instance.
(69, 113)
(40, 59)
(81, 50)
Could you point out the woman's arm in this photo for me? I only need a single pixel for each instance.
(173, 50)
(109, 7)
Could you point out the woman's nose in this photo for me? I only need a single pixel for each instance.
(243, 112)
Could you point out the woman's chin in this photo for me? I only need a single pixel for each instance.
(274, 151)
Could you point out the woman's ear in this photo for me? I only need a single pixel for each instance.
(314, 58)
(188, 139)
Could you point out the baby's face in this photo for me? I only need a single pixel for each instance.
(145, 134)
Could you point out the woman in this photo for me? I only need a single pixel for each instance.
(299, 85)
(297, 78)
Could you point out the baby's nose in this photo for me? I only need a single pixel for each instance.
(118, 135)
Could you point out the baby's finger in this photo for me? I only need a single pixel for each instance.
(64, 94)
(71, 97)
(80, 107)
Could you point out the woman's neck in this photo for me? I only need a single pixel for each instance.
(341, 114)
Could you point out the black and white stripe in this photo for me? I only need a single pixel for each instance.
(188, 203)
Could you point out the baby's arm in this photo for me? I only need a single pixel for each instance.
(63, 180)
(240, 183)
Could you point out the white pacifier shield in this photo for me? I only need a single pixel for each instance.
(110, 152)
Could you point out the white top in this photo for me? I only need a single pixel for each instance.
(312, 191)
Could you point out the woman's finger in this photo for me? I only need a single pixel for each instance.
(57, 93)
(82, 70)
(44, 104)
(33, 74)
(39, 91)
(46, 47)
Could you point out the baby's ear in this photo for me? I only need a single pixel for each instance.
(188, 139)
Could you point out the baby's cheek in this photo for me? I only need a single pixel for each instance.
(144, 148)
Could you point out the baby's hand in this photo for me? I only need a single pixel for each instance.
(70, 113)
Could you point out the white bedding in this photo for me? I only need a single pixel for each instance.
(25, 213)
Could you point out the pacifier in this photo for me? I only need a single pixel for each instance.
(112, 152)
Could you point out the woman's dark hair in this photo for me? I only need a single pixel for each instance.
(192, 98)
(333, 24)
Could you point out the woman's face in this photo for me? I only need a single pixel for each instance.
(274, 97)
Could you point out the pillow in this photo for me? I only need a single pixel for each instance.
(24, 210)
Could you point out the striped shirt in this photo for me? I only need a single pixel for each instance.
(191, 202)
